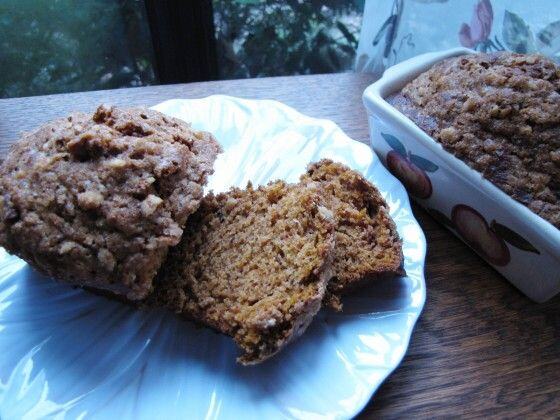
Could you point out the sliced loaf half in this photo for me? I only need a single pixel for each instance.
(96, 200)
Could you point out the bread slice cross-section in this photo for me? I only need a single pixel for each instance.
(253, 264)
(367, 245)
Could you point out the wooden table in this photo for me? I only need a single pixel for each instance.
(480, 348)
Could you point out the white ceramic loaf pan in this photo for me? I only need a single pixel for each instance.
(522, 246)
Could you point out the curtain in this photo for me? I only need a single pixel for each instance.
(395, 30)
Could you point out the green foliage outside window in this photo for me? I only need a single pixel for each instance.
(266, 38)
(52, 46)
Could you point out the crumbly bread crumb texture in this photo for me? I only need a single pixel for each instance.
(500, 114)
(97, 200)
(367, 245)
(253, 264)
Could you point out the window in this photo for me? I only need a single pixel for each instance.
(57, 46)
(269, 38)
(53, 46)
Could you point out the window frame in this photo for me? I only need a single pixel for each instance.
(183, 39)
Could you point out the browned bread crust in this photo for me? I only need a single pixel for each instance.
(500, 114)
(97, 200)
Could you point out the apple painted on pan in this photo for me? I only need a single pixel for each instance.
(488, 240)
(472, 226)
(409, 168)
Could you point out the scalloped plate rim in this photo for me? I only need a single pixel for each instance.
(316, 120)
(415, 309)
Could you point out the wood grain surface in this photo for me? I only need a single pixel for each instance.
(480, 348)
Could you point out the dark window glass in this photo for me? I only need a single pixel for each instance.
(51, 46)
(269, 38)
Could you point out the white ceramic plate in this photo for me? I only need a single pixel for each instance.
(69, 354)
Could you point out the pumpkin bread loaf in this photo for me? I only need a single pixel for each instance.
(97, 200)
(500, 114)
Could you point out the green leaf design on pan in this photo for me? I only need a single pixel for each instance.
(441, 218)
(423, 163)
(395, 144)
(513, 238)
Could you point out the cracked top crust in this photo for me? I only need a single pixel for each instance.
(97, 200)
(500, 114)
